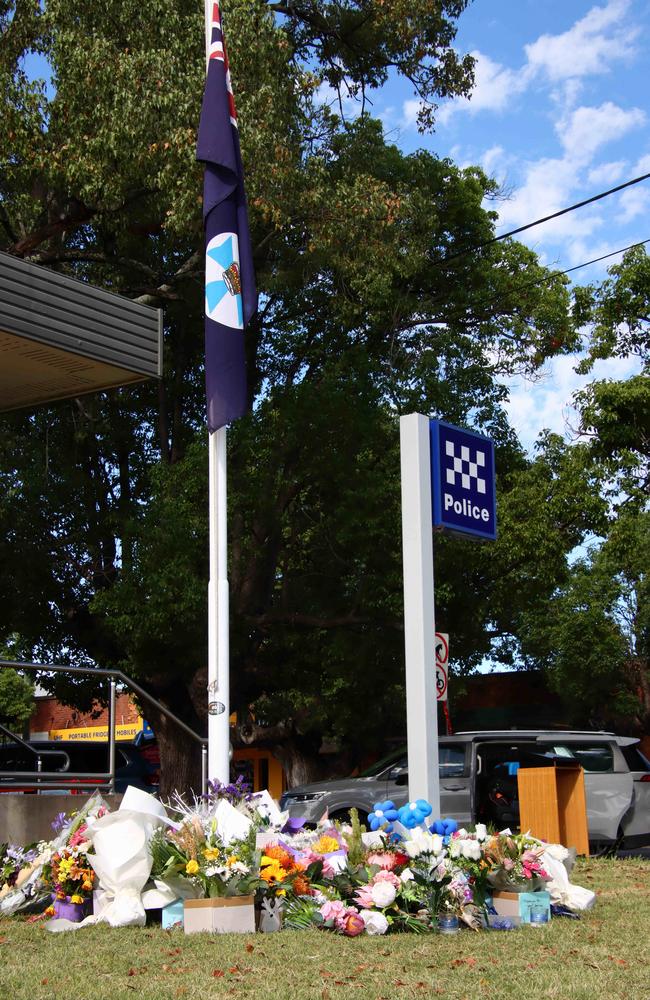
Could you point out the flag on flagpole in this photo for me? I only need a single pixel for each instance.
(230, 295)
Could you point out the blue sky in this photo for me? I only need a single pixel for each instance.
(560, 112)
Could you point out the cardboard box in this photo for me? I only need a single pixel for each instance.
(172, 915)
(222, 915)
(518, 904)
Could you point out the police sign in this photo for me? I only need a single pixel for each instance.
(462, 480)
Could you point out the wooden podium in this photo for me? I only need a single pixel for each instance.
(552, 805)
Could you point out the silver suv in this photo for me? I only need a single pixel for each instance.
(478, 782)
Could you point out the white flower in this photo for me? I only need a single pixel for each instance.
(239, 868)
(471, 849)
(375, 838)
(455, 847)
(557, 851)
(422, 842)
(407, 875)
(375, 922)
(481, 831)
(383, 894)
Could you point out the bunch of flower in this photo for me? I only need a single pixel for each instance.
(515, 859)
(13, 860)
(197, 851)
(68, 875)
(281, 873)
(236, 793)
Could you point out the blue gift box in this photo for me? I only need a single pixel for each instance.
(172, 915)
(518, 904)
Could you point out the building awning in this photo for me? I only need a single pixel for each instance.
(60, 337)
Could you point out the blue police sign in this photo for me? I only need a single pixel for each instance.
(462, 481)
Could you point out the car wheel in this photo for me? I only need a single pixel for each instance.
(343, 816)
(606, 848)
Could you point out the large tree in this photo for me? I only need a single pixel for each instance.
(373, 302)
(594, 635)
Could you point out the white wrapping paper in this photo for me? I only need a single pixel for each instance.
(121, 860)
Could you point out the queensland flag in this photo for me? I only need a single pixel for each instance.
(230, 295)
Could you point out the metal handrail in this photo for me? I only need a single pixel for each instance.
(113, 676)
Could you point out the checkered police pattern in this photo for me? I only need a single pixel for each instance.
(463, 467)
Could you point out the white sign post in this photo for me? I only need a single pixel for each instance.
(419, 626)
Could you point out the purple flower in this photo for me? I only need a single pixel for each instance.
(59, 822)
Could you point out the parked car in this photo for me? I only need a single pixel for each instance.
(478, 782)
(137, 765)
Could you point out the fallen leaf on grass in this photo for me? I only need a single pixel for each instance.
(619, 961)
(470, 961)
(325, 974)
(218, 973)
(250, 948)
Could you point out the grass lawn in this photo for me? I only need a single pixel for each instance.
(605, 954)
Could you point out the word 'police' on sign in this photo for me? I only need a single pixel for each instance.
(462, 481)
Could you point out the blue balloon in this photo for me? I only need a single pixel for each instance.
(382, 816)
(414, 813)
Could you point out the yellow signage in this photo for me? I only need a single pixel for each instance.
(100, 733)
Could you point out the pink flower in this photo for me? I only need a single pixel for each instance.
(333, 909)
(363, 896)
(384, 876)
(383, 859)
(352, 925)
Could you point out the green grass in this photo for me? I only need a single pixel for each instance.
(605, 954)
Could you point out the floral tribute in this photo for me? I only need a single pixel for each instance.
(52, 870)
(405, 874)
(215, 857)
(69, 877)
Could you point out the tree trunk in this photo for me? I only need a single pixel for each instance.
(298, 754)
(180, 755)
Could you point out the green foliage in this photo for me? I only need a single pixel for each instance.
(370, 307)
(16, 699)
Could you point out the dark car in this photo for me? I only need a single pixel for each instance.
(137, 765)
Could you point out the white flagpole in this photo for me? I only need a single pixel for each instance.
(218, 613)
(218, 610)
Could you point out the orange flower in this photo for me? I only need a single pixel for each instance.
(279, 854)
(301, 885)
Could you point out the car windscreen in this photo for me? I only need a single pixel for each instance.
(380, 765)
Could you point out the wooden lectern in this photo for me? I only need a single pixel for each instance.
(552, 805)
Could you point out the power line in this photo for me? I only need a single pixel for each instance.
(547, 218)
(499, 297)
(605, 256)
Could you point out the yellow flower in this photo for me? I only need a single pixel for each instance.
(211, 853)
(192, 867)
(232, 860)
(326, 845)
(272, 872)
(76, 898)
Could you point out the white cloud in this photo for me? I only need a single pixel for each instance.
(548, 405)
(590, 46)
(642, 166)
(546, 189)
(586, 129)
(494, 88)
(493, 159)
(606, 173)
(633, 202)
